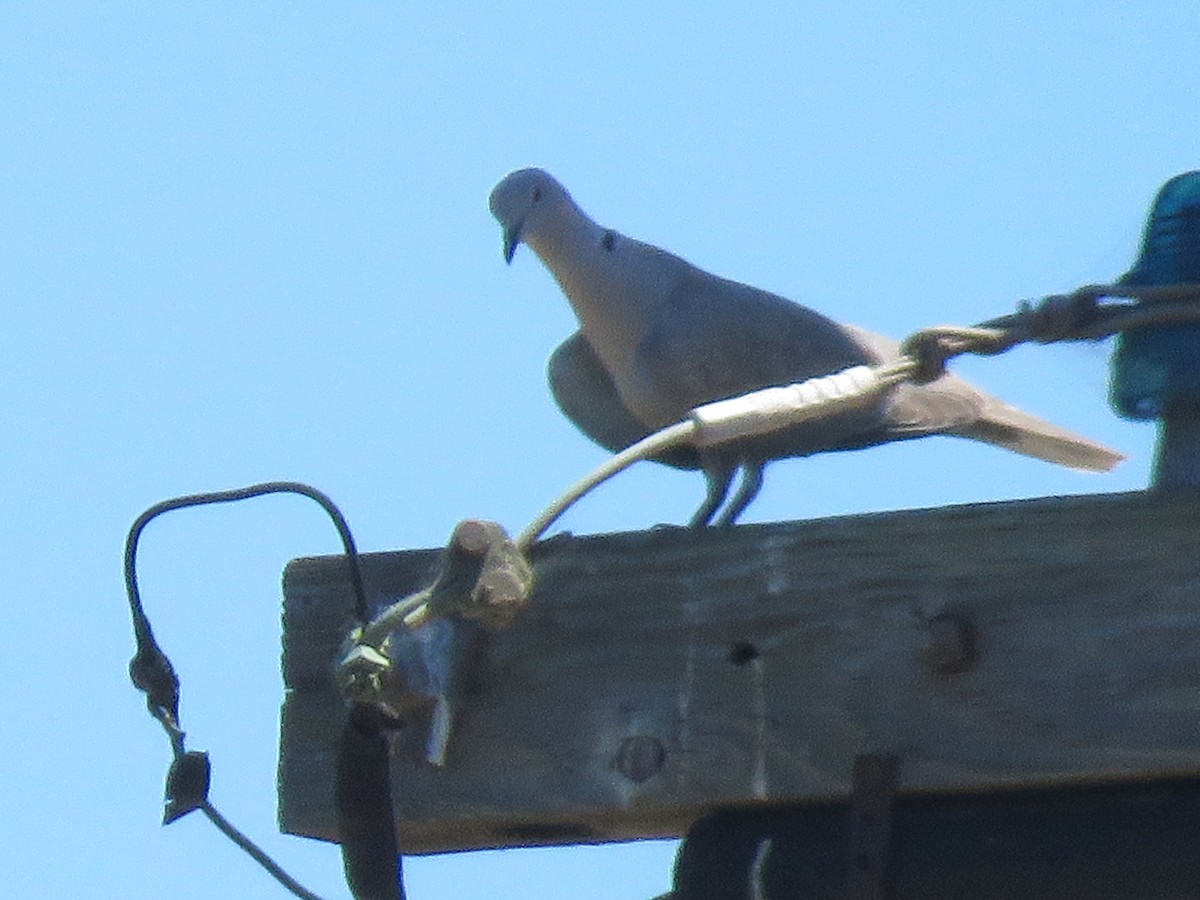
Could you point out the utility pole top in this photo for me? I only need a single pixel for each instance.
(658, 675)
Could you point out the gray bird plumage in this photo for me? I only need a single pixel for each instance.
(659, 336)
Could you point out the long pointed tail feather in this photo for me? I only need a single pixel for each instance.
(1006, 426)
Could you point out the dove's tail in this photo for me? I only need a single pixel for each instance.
(1008, 427)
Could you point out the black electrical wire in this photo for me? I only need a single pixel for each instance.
(254, 490)
(363, 801)
(187, 788)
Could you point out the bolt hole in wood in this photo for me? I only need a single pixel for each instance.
(742, 652)
(952, 645)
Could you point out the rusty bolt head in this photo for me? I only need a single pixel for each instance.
(639, 758)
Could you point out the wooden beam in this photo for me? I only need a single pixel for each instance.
(658, 675)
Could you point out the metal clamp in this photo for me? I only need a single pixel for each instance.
(875, 779)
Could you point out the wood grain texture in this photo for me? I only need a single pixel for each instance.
(658, 675)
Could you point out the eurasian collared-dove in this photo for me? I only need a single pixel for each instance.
(659, 337)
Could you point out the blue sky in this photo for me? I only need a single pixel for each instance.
(243, 244)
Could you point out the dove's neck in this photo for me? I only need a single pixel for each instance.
(613, 284)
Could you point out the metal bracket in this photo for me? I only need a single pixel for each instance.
(875, 779)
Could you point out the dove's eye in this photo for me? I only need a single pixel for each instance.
(537, 194)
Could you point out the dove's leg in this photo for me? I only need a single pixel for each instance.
(752, 479)
(719, 475)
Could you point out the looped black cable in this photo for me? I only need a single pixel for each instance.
(150, 669)
(152, 673)
(254, 490)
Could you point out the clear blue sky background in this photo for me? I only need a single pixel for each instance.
(242, 244)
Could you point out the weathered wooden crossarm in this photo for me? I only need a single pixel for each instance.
(658, 675)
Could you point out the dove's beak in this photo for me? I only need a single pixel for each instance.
(512, 237)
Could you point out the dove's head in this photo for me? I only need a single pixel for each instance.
(523, 202)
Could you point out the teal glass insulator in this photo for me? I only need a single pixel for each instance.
(1158, 367)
